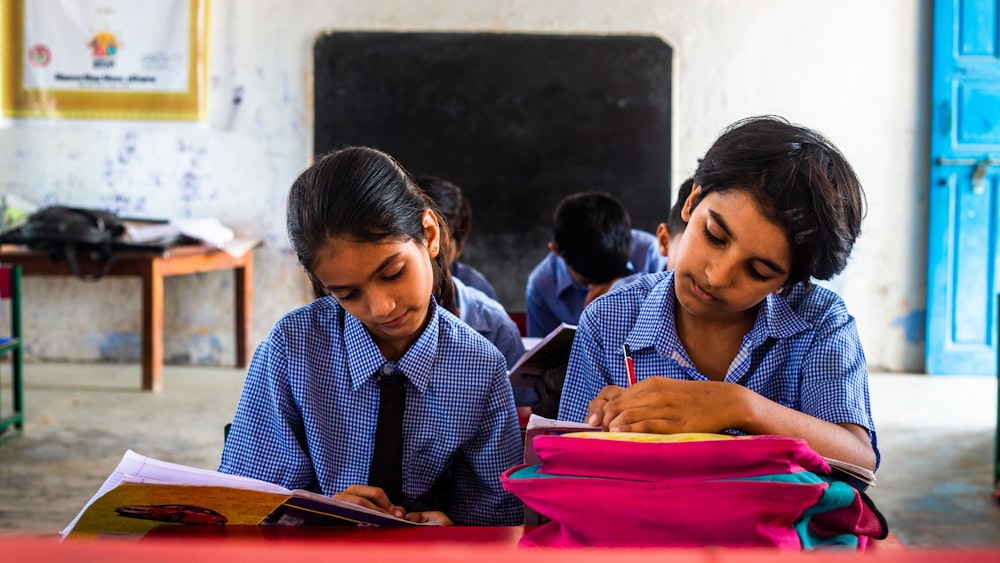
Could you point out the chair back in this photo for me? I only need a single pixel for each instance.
(5, 282)
(12, 423)
(10, 290)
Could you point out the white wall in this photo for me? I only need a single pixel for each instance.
(853, 69)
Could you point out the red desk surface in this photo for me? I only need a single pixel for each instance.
(440, 545)
(497, 537)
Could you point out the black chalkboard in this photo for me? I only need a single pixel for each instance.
(518, 121)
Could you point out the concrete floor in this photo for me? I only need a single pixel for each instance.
(936, 435)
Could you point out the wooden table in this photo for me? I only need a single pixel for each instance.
(151, 267)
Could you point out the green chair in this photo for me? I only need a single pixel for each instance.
(12, 424)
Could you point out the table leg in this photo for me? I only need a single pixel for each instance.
(244, 310)
(152, 327)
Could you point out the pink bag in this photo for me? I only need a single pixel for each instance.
(687, 490)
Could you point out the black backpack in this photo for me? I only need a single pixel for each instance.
(67, 233)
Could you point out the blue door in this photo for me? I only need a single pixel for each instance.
(964, 229)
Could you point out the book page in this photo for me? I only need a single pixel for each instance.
(166, 472)
(130, 510)
(540, 422)
(860, 477)
(552, 351)
(130, 463)
(322, 506)
(143, 493)
(542, 426)
(136, 468)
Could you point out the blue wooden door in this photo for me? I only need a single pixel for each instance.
(962, 282)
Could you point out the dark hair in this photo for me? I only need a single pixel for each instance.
(364, 195)
(455, 208)
(592, 231)
(675, 224)
(800, 180)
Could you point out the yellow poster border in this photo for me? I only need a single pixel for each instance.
(21, 103)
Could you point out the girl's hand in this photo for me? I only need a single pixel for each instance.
(668, 406)
(431, 517)
(370, 497)
(661, 405)
(596, 407)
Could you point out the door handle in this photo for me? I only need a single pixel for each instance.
(978, 174)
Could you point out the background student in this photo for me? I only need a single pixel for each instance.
(458, 212)
(735, 337)
(376, 394)
(666, 233)
(487, 316)
(593, 245)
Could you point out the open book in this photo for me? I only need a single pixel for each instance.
(858, 477)
(143, 493)
(541, 426)
(551, 351)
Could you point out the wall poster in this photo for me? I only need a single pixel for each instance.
(104, 59)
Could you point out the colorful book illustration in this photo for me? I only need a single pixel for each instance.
(143, 493)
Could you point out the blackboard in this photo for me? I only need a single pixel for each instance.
(519, 121)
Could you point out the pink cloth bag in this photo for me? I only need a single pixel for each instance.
(640, 491)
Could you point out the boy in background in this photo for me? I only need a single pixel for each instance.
(593, 245)
(667, 234)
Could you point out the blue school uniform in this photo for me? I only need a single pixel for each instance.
(489, 318)
(803, 351)
(552, 297)
(473, 278)
(307, 415)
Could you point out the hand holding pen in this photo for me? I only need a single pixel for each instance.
(596, 406)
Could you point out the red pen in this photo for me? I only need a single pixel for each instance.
(629, 366)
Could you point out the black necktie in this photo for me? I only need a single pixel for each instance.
(386, 470)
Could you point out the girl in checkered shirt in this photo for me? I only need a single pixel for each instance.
(310, 416)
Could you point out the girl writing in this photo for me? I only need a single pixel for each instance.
(734, 337)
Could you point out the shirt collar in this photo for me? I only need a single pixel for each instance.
(655, 326)
(777, 319)
(364, 358)
(564, 281)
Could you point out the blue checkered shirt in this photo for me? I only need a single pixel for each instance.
(488, 317)
(307, 415)
(803, 351)
(552, 297)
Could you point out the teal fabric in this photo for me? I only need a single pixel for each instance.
(534, 472)
(837, 495)
(528, 472)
